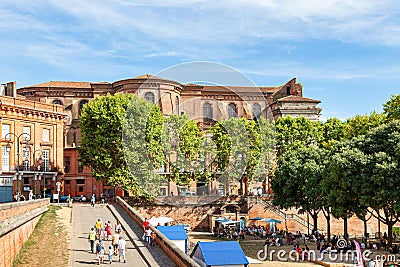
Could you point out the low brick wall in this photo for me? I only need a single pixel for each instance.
(177, 255)
(13, 209)
(17, 224)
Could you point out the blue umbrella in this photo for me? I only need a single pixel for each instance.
(274, 221)
(256, 218)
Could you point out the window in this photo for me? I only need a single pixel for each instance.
(256, 111)
(46, 135)
(5, 158)
(149, 96)
(80, 167)
(46, 159)
(207, 112)
(26, 180)
(57, 102)
(67, 181)
(80, 181)
(232, 112)
(5, 130)
(80, 189)
(26, 133)
(177, 104)
(81, 104)
(5, 180)
(26, 156)
(67, 164)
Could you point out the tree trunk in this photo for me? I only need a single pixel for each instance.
(346, 234)
(328, 226)
(390, 233)
(365, 229)
(314, 216)
(246, 185)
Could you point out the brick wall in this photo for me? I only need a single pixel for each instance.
(197, 217)
(355, 226)
(9, 210)
(12, 241)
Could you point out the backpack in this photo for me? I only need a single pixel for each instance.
(99, 247)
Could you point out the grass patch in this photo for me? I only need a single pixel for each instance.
(44, 245)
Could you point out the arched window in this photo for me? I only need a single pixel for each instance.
(57, 102)
(232, 111)
(149, 96)
(81, 104)
(256, 111)
(177, 105)
(207, 112)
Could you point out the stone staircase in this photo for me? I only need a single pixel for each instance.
(285, 216)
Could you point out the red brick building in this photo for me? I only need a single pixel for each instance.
(203, 103)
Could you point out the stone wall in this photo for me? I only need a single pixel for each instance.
(355, 226)
(197, 217)
(17, 222)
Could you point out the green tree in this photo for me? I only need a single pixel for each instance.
(392, 108)
(184, 144)
(239, 143)
(296, 182)
(343, 180)
(102, 123)
(296, 132)
(382, 182)
(333, 131)
(143, 148)
(360, 125)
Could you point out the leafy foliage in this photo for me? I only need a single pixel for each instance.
(392, 108)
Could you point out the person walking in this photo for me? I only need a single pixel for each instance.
(92, 239)
(153, 239)
(100, 252)
(147, 235)
(121, 249)
(110, 254)
(99, 225)
(93, 200)
(114, 242)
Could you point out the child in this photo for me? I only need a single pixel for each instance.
(152, 239)
(100, 252)
(110, 253)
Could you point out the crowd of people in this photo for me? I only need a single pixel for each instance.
(108, 243)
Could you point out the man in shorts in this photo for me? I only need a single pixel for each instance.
(121, 249)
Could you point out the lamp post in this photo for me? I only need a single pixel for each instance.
(34, 169)
(17, 137)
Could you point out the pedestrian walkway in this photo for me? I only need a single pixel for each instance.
(154, 255)
(84, 217)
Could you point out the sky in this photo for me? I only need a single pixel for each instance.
(345, 53)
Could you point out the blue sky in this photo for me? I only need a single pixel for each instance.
(345, 53)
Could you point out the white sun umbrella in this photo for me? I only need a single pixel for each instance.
(164, 220)
(153, 221)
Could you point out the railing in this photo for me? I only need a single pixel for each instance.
(283, 215)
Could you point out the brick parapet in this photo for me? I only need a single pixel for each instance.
(175, 254)
(14, 209)
(18, 220)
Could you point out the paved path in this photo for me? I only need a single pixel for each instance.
(84, 217)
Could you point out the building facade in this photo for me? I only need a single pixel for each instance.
(31, 145)
(204, 104)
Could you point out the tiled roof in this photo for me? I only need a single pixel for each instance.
(293, 98)
(61, 84)
(214, 88)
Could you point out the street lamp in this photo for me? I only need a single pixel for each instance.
(34, 168)
(17, 137)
